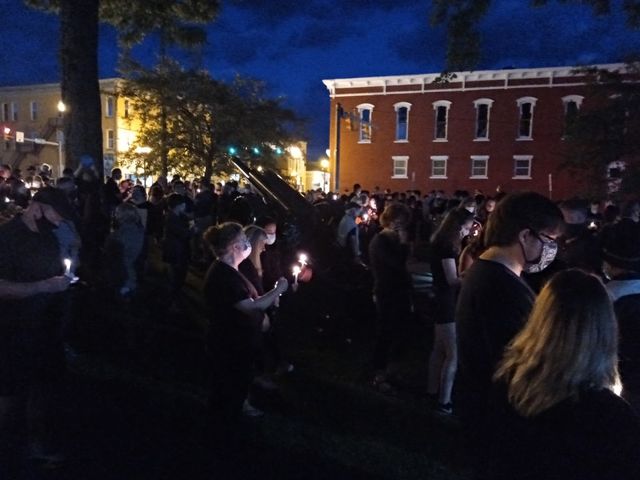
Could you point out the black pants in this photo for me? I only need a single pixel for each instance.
(393, 312)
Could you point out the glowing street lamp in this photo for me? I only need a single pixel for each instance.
(60, 134)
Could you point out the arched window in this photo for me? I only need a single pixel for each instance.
(483, 108)
(441, 108)
(365, 111)
(402, 121)
(525, 119)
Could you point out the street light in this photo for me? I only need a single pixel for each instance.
(60, 136)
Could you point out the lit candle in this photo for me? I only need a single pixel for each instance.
(67, 266)
(302, 258)
(296, 271)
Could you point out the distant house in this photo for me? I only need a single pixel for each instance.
(33, 111)
(479, 130)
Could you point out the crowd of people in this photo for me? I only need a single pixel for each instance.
(535, 307)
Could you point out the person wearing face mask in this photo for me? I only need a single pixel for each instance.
(494, 301)
(445, 250)
(270, 258)
(32, 362)
(237, 315)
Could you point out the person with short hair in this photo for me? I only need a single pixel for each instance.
(32, 362)
(555, 412)
(494, 301)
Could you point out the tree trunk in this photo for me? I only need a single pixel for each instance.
(79, 85)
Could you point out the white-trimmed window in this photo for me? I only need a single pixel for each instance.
(109, 106)
(441, 109)
(479, 166)
(439, 166)
(5, 112)
(483, 109)
(14, 112)
(402, 121)
(522, 167)
(571, 104)
(525, 117)
(33, 108)
(111, 140)
(400, 167)
(127, 108)
(365, 113)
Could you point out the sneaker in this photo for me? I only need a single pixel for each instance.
(249, 410)
(444, 408)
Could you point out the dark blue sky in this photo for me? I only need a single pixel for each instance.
(293, 45)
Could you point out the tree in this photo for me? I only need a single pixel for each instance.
(203, 117)
(462, 18)
(603, 142)
(134, 19)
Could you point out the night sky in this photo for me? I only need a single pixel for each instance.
(293, 45)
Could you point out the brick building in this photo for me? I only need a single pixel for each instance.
(476, 130)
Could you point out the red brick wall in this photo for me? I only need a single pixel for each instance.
(371, 164)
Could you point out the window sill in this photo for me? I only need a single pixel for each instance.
(364, 141)
(400, 177)
(479, 177)
(440, 140)
(401, 141)
(438, 177)
(521, 177)
(480, 139)
(524, 139)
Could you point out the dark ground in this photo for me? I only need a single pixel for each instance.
(134, 400)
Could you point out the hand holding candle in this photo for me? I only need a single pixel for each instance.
(302, 258)
(296, 271)
(67, 267)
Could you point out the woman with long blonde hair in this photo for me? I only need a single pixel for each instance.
(562, 417)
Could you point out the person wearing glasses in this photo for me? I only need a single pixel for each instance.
(236, 313)
(494, 301)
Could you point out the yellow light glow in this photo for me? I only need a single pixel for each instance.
(295, 152)
(61, 106)
(324, 163)
(143, 150)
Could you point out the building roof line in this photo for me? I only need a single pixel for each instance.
(49, 86)
(463, 77)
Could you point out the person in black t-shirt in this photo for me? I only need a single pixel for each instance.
(445, 249)
(388, 253)
(31, 348)
(237, 316)
(494, 301)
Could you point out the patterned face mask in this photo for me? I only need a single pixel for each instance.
(547, 255)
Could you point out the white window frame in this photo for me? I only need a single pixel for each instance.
(397, 108)
(480, 158)
(522, 158)
(14, 111)
(33, 110)
(109, 106)
(111, 139)
(447, 105)
(361, 108)
(520, 102)
(476, 104)
(439, 158)
(398, 161)
(566, 100)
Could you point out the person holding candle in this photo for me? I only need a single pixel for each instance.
(555, 412)
(237, 315)
(32, 363)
